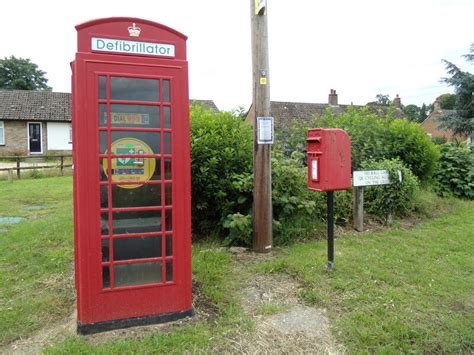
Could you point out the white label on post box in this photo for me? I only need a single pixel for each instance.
(314, 169)
(265, 130)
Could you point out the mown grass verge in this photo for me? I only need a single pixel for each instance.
(36, 255)
(396, 291)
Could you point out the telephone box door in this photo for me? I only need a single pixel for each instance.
(132, 191)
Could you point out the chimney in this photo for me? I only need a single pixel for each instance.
(332, 98)
(437, 105)
(397, 102)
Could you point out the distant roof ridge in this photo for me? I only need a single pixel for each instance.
(33, 105)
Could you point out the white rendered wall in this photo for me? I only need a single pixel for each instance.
(58, 134)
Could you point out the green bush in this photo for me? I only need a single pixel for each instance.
(221, 156)
(295, 208)
(410, 143)
(455, 172)
(374, 136)
(395, 199)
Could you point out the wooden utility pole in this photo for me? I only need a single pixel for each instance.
(262, 172)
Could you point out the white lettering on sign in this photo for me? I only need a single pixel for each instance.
(132, 47)
(372, 177)
(265, 130)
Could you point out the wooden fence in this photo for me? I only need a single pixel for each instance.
(28, 160)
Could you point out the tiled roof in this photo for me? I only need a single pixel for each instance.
(286, 113)
(28, 105)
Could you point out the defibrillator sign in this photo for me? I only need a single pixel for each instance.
(133, 169)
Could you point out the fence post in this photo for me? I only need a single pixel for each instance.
(358, 210)
(18, 167)
(62, 165)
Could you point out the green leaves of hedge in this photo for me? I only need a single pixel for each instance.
(221, 161)
(455, 172)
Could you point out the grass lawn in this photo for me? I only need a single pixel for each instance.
(36, 285)
(394, 291)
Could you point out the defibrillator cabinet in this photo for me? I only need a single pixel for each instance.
(132, 214)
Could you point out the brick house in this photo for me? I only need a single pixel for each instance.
(39, 122)
(34, 122)
(430, 124)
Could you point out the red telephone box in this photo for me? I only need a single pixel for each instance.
(132, 209)
(329, 159)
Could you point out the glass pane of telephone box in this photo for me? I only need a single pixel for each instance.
(104, 196)
(167, 142)
(137, 248)
(136, 222)
(105, 249)
(136, 116)
(169, 270)
(136, 195)
(105, 277)
(166, 91)
(102, 88)
(130, 142)
(104, 223)
(102, 142)
(102, 115)
(169, 245)
(137, 274)
(168, 175)
(134, 89)
(167, 116)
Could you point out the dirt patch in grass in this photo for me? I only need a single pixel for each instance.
(282, 323)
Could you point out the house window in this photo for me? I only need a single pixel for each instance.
(2, 133)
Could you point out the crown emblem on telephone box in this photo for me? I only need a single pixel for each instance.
(134, 31)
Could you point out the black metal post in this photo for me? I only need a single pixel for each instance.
(18, 167)
(330, 201)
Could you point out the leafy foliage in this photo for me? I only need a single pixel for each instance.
(447, 101)
(296, 209)
(21, 74)
(381, 100)
(377, 138)
(398, 197)
(455, 172)
(415, 113)
(221, 161)
(462, 121)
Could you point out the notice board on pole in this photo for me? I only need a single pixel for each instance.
(265, 130)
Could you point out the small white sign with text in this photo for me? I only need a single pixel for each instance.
(265, 130)
(372, 177)
(132, 47)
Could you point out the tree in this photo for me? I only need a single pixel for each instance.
(21, 74)
(382, 100)
(412, 112)
(461, 122)
(447, 101)
(425, 110)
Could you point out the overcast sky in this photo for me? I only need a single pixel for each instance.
(360, 48)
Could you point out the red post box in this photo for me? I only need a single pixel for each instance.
(132, 209)
(329, 159)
